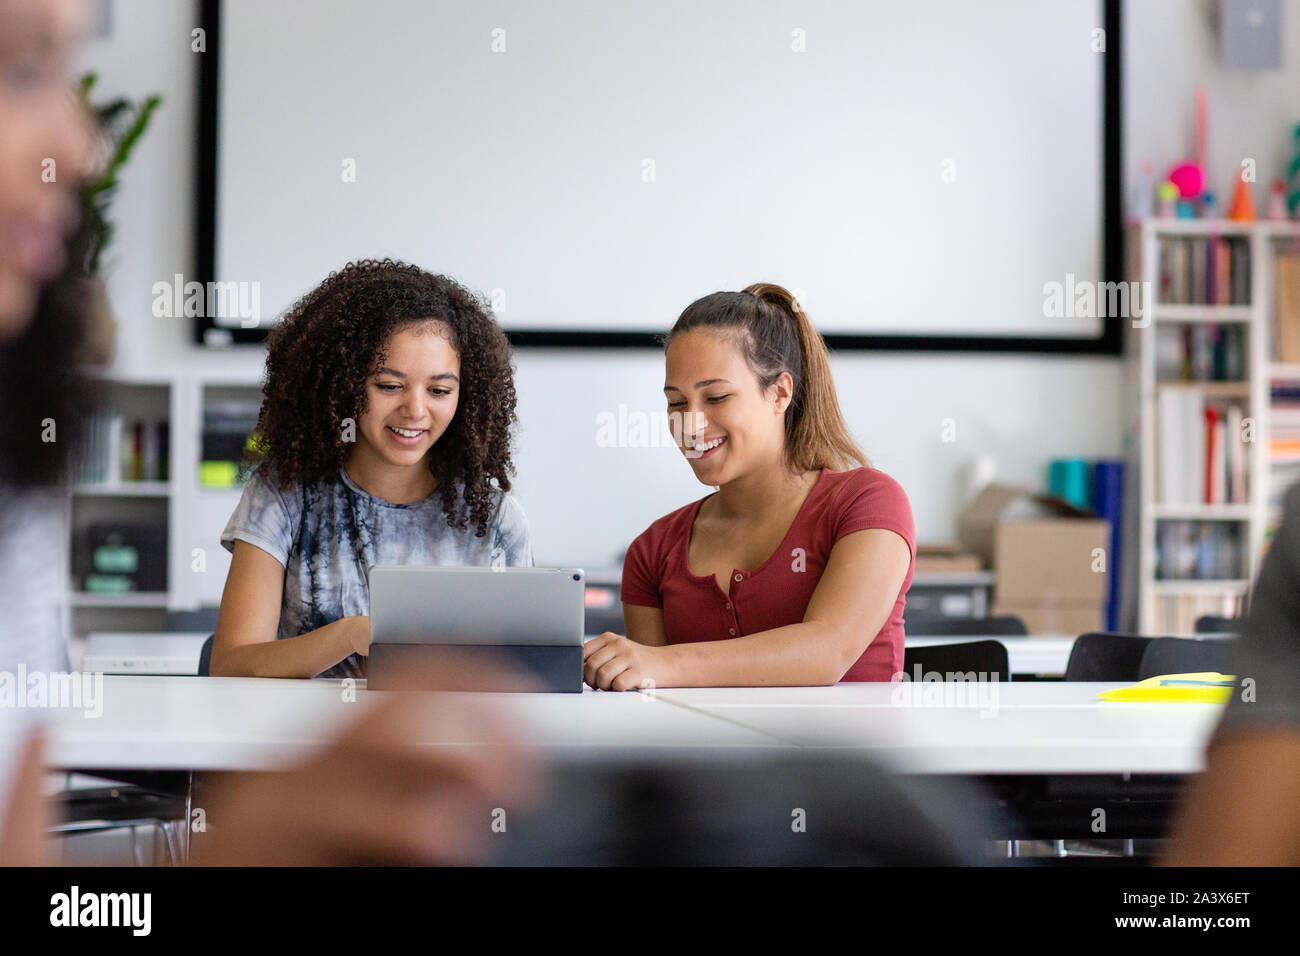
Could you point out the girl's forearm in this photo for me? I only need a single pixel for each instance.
(303, 656)
(798, 655)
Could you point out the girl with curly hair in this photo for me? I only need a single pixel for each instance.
(384, 438)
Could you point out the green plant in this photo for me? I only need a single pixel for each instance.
(121, 124)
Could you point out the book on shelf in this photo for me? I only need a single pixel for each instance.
(1202, 459)
(1201, 352)
(1286, 312)
(1199, 550)
(1178, 613)
(1204, 270)
(1283, 443)
(1215, 435)
(227, 426)
(115, 450)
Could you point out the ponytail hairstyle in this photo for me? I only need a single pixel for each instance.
(775, 335)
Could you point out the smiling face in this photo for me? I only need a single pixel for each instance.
(411, 397)
(726, 424)
(43, 134)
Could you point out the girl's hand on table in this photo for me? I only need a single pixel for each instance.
(614, 662)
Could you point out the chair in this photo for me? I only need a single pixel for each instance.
(1185, 655)
(598, 620)
(987, 660)
(128, 805)
(204, 619)
(1209, 624)
(1127, 658)
(123, 807)
(1006, 625)
(1099, 656)
(205, 657)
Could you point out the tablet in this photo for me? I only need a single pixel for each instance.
(529, 618)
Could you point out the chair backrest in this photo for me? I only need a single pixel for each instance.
(1185, 655)
(203, 619)
(1209, 624)
(1100, 656)
(1005, 625)
(598, 620)
(205, 657)
(977, 660)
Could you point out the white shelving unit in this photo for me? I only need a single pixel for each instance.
(1253, 392)
(194, 515)
(125, 489)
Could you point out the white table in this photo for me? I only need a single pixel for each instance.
(187, 723)
(237, 723)
(1045, 654)
(142, 652)
(981, 729)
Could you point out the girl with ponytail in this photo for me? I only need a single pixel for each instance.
(794, 571)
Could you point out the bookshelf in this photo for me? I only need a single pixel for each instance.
(167, 495)
(1208, 381)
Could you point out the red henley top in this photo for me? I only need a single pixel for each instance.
(776, 593)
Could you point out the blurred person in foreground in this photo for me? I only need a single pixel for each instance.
(413, 804)
(1244, 810)
(41, 131)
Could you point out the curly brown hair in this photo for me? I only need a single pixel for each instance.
(321, 355)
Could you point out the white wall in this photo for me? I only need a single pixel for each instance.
(1171, 49)
(585, 502)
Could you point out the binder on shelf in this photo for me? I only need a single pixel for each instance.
(1286, 328)
(1108, 503)
(1204, 270)
(1201, 458)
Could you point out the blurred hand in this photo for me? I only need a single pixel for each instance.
(378, 795)
(27, 814)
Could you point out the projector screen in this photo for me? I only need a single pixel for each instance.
(918, 168)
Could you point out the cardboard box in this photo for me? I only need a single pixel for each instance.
(945, 559)
(1052, 618)
(1050, 558)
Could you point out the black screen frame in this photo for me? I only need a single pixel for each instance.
(1109, 342)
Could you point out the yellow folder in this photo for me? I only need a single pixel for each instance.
(1207, 687)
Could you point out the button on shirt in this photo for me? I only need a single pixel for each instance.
(656, 572)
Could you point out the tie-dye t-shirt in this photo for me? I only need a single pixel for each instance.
(328, 535)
